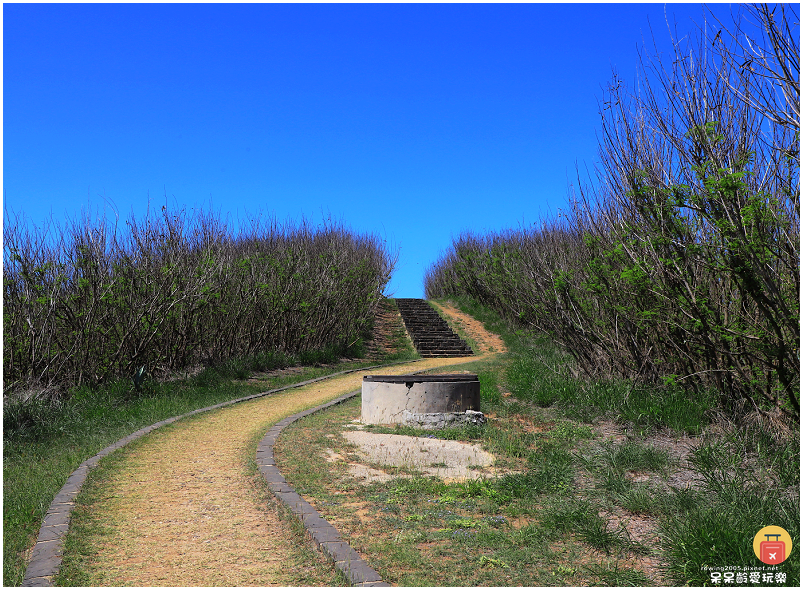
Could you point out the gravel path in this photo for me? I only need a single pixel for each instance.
(183, 509)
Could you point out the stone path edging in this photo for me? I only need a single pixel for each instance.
(48, 551)
(326, 537)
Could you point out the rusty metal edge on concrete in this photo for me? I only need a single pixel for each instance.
(436, 378)
(47, 553)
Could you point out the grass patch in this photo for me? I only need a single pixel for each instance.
(744, 489)
(617, 576)
(541, 375)
(548, 520)
(611, 464)
(635, 456)
(549, 471)
(429, 532)
(722, 534)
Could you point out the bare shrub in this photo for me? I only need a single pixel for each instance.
(681, 263)
(91, 301)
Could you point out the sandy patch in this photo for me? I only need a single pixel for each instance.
(449, 459)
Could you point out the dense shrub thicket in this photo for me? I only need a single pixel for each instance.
(89, 302)
(682, 263)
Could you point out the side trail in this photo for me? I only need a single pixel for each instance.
(183, 509)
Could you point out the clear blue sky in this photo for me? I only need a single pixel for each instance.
(412, 121)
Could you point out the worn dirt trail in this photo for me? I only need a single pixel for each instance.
(183, 510)
(487, 341)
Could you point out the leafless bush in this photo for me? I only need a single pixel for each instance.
(91, 301)
(681, 263)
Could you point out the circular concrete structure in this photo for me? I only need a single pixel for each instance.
(432, 400)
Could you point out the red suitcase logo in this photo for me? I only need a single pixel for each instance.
(772, 545)
(772, 552)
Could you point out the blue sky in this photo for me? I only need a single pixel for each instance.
(411, 121)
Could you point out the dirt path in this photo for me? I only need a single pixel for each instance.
(487, 341)
(183, 509)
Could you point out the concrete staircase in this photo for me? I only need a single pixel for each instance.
(431, 335)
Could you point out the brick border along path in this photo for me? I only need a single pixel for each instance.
(47, 554)
(327, 538)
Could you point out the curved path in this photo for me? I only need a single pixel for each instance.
(46, 555)
(183, 509)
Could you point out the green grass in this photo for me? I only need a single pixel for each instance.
(745, 489)
(611, 464)
(617, 576)
(720, 533)
(540, 375)
(634, 456)
(539, 525)
(549, 471)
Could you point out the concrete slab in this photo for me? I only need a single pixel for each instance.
(448, 459)
(53, 533)
(41, 581)
(56, 519)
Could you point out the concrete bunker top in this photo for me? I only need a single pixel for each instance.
(407, 399)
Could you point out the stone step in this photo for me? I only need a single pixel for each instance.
(431, 335)
(442, 341)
